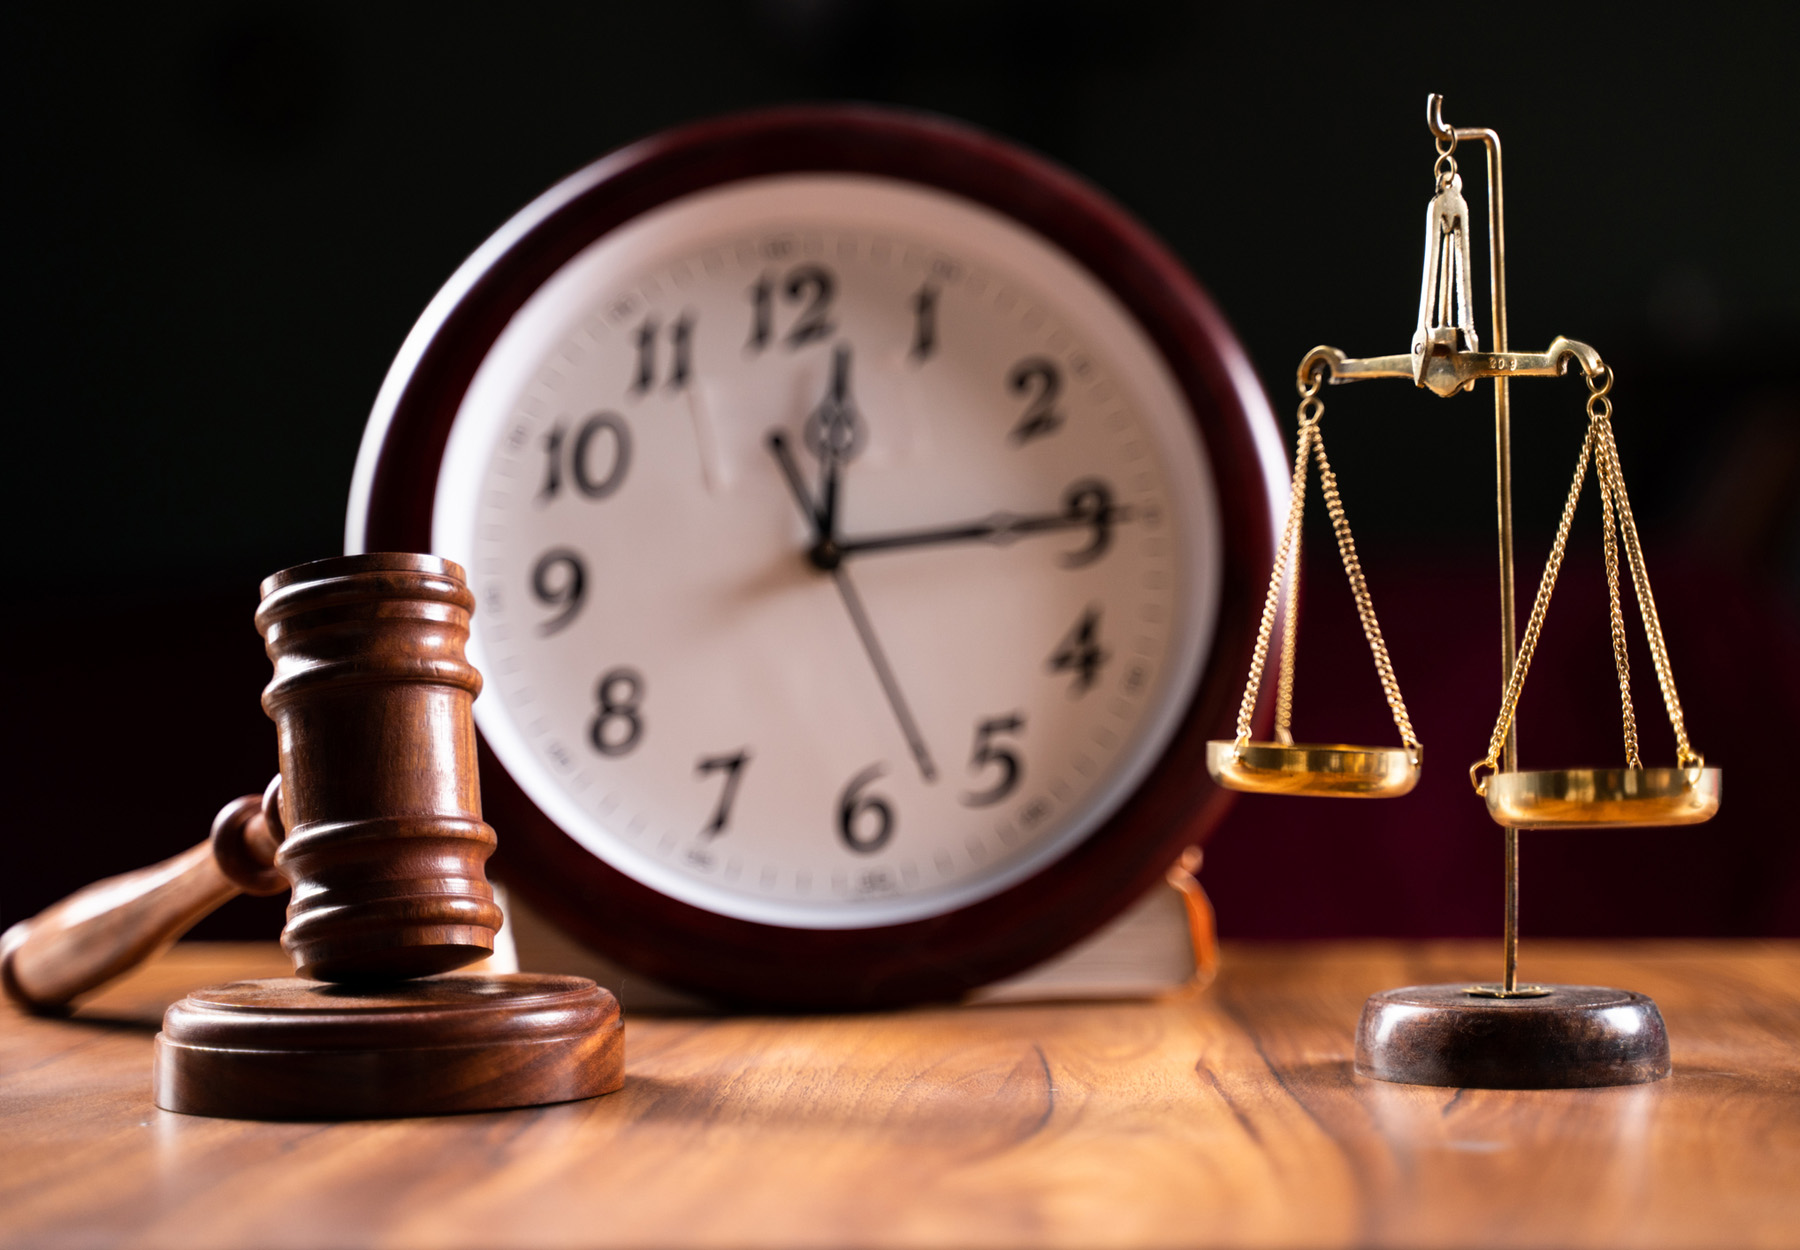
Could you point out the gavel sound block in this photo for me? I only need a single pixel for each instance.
(375, 821)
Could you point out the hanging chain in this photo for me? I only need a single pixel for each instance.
(1365, 606)
(1509, 703)
(1287, 567)
(1621, 659)
(1600, 446)
(1311, 409)
(1685, 755)
(1290, 634)
(1290, 533)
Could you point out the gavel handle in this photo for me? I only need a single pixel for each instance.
(108, 928)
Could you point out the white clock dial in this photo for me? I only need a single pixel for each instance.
(845, 553)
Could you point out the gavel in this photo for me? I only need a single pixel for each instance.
(374, 822)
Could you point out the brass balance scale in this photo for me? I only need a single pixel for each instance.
(1503, 1035)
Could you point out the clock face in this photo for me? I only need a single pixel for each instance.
(845, 553)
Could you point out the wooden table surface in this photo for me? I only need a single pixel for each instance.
(1233, 1119)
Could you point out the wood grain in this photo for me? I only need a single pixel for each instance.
(1232, 1119)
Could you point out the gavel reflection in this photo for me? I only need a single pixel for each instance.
(374, 820)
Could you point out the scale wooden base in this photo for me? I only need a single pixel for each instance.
(290, 1049)
(1536, 1037)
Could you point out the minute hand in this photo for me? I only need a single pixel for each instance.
(1087, 505)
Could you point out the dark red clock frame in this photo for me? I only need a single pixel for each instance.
(944, 956)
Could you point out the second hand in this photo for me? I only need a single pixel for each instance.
(909, 728)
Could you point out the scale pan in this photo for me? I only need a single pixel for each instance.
(1569, 798)
(1310, 768)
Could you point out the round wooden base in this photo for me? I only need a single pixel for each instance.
(1567, 1037)
(290, 1049)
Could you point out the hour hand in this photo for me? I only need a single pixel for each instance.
(835, 435)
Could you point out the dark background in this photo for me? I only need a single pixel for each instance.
(223, 218)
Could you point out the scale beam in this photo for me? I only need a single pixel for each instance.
(1447, 372)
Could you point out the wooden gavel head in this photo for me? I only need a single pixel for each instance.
(384, 844)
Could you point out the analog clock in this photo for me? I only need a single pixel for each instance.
(863, 516)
